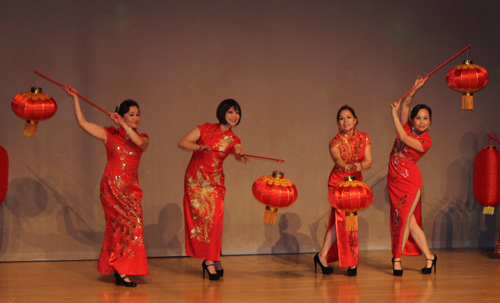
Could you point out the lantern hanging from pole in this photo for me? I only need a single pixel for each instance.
(275, 191)
(33, 106)
(350, 196)
(467, 78)
(486, 178)
(4, 173)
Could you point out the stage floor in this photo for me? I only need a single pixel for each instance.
(463, 275)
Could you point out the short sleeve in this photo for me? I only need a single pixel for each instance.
(203, 127)
(368, 142)
(236, 140)
(144, 136)
(426, 142)
(424, 139)
(110, 131)
(407, 127)
(335, 142)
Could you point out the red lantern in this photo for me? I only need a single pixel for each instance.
(33, 106)
(467, 78)
(486, 178)
(275, 191)
(350, 196)
(4, 173)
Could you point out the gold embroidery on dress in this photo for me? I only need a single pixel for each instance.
(127, 208)
(350, 148)
(202, 196)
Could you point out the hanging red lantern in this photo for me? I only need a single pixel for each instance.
(4, 173)
(486, 178)
(33, 106)
(467, 78)
(275, 191)
(350, 196)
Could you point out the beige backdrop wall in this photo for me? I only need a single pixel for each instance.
(290, 65)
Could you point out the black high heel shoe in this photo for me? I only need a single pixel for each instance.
(121, 281)
(212, 277)
(351, 272)
(428, 270)
(325, 269)
(396, 272)
(220, 272)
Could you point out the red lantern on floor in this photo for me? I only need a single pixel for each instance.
(467, 78)
(4, 173)
(350, 196)
(275, 191)
(486, 178)
(33, 106)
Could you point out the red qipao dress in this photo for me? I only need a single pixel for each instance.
(204, 193)
(405, 183)
(123, 248)
(346, 246)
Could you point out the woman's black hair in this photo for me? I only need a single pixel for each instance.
(125, 106)
(224, 106)
(417, 108)
(349, 109)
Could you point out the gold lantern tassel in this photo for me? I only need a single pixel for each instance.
(270, 215)
(30, 128)
(467, 101)
(488, 210)
(351, 221)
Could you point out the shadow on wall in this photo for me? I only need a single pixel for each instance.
(27, 198)
(170, 222)
(289, 235)
(318, 240)
(458, 221)
(27, 201)
(75, 224)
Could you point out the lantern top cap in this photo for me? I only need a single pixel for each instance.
(36, 90)
(278, 174)
(349, 178)
(491, 147)
(467, 61)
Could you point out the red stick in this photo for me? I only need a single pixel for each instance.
(435, 71)
(491, 137)
(231, 153)
(55, 82)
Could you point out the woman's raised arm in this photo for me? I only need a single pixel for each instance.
(92, 129)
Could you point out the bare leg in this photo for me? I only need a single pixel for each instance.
(126, 278)
(211, 269)
(406, 232)
(218, 265)
(330, 238)
(417, 234)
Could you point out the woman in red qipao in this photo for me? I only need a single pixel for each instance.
(405, 182)
(204, 185)
(351, 152)
(123, 249)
